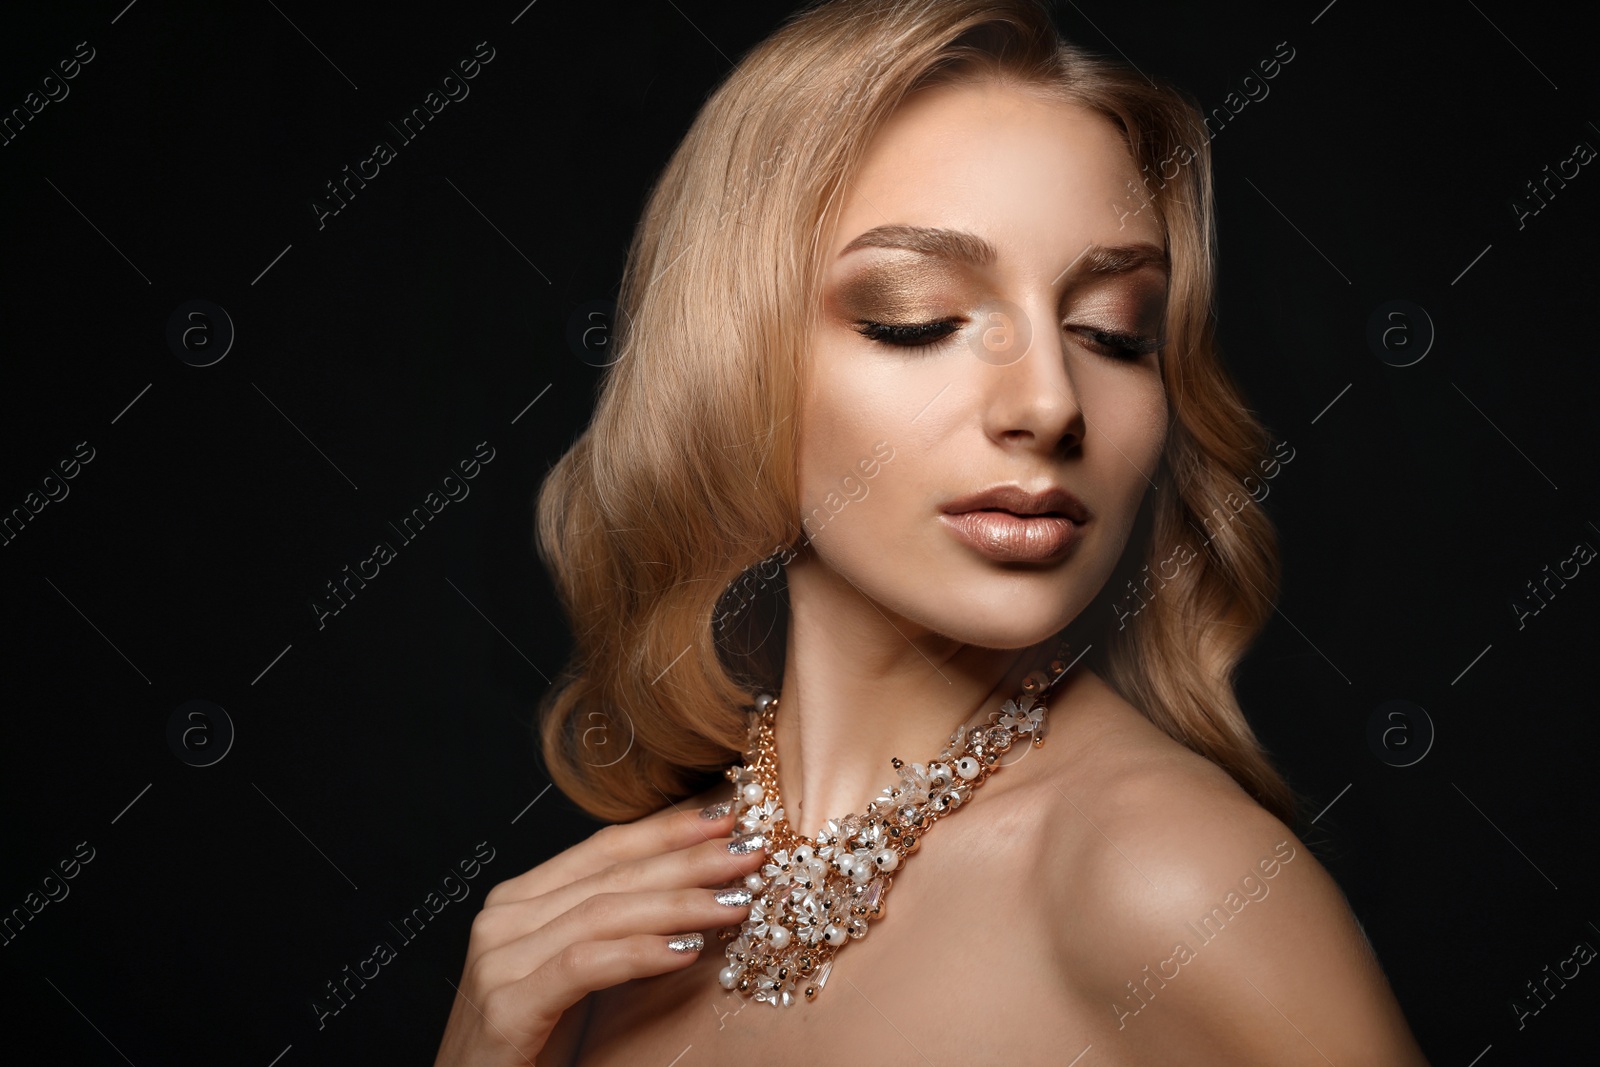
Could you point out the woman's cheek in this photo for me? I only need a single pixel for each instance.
(1140, 425)
(839, 431)
(824, 428)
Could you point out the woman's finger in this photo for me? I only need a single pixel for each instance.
(609, 917)
(702, 865)
(535, 1002)
(675, 826)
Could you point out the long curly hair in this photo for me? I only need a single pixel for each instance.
(685, 478)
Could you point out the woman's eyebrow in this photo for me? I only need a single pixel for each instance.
(1117, 259)
(964, 247)
(930, 241)
(1122, 259)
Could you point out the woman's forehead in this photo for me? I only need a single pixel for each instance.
(1025, 175)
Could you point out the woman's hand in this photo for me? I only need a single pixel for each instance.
(600, 913)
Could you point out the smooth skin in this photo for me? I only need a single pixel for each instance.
(1012, 934)
(1021, 930)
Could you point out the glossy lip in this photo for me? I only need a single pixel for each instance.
(1052, 500)
(1009, 538)
(1008, 524)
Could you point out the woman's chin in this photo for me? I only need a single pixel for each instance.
(1000, 626)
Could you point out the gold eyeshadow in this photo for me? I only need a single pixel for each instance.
(922, 289)
(897, 292)
(1138, 308)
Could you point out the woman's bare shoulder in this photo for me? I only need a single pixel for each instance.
(1191, 911)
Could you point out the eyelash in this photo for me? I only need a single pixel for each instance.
(1126, 347)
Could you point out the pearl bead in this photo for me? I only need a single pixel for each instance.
(754, 882)
(753, 793)
(802, 854)
(779, 936)
(966, 767)
(886, 859)
(833, 935)
(727, 977)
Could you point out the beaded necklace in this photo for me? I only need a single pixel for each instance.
(815, 895)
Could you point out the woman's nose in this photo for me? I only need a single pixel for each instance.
(1029, 392)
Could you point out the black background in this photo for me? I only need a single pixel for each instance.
(374, 353)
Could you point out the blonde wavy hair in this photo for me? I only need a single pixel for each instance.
(686, 475)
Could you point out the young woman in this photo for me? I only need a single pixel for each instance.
(916, 349)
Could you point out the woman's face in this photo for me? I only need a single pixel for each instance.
(1003, 230)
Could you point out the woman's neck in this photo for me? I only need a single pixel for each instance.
(862, 685)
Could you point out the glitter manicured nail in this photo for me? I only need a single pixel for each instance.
(735, 898)
(743, 846)
(687, 943)
(717, 810)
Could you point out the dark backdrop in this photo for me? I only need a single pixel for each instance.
(365, 754)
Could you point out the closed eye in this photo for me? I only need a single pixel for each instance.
(908, 334)
(1122, 346)
(1112, 343)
